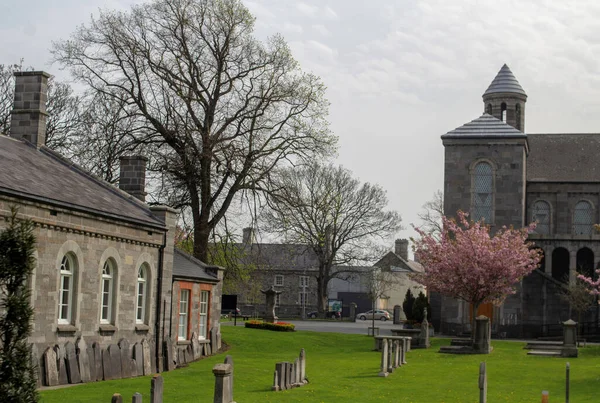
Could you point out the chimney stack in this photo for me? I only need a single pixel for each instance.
(132, 176)
(248, 236)
(28, 120)
(402, 248)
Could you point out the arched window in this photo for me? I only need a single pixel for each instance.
(142, 291)
(583, 218)
(585, 262)
(65, 298)
(488, 109)
(560, 264)
(108, 274)
(482, 192)
(503, 111)
(540, 214)
(518, 116)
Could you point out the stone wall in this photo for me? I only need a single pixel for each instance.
(91, 240)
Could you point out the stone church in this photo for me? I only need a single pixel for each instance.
(497, 170)
(112, 296)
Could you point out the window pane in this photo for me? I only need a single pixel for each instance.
(183, 314)
(541, 215)
(482, 192)
(583, 218)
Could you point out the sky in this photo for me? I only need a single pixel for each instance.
(399, 73)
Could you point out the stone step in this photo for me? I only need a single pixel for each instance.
(539, 346)
(544, 353)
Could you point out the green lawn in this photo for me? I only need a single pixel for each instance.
(342, 368)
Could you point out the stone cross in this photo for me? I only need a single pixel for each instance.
(222, 374)
(270, 294)
(482, 383)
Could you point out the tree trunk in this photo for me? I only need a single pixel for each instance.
(373, 317)
(473, 319)
(321, 295)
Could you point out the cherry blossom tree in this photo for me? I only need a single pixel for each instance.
(467, 263)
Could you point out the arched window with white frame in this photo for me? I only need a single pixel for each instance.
(583, 218)
(482, 192)
(107, 295)
(67, 289)
(540, 214)
(141, 294)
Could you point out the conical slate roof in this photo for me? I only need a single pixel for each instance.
(505, 81)
(485, 126)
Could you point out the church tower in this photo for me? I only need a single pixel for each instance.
(505, 99)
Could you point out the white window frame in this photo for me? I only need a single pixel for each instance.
(203, 323)
(141, 296)
(67, 273)
(304, 281)
(184, 314)
(301, 301)
(278, 281)
(108, 281)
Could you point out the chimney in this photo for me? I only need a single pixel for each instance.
(248, 236)
(132, 176)
(28, 120)
(402, 248)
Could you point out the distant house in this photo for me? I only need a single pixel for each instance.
(106, 267)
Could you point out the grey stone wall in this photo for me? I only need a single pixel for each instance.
(511, 100)
(91, 240)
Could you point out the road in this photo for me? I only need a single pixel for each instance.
(335, 326)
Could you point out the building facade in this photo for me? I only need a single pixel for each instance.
(497, 171)
(104, 258)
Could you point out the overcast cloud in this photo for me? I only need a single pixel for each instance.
(399, 73)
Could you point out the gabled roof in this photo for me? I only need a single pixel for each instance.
(560, 157)
(394, 262)
(485, 126)
(506, 82)
(43, 175)
(280, 256)
(187, 266)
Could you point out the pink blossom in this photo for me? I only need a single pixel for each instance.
(486, 267)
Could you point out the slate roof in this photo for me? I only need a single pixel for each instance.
(187, 266)
(505, 81)
(397, 263)
(560, 157)
(280, 256)
(483, 127)
(43, 175)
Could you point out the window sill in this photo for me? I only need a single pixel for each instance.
(140, 327)
(66, 328)
(203, 341)
(183, 342)
(107, 328)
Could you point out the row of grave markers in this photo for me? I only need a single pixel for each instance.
(393, 352)
(290, 375)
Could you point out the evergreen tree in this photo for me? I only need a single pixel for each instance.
(407, 305)
(419, 305)
(17, 374)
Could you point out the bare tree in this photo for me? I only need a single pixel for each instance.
(333, 214)
(380, 283)
(432, 213)
(577, 295)
(224, 108)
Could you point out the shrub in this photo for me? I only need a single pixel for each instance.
(278, 327)
(418, 306)
(407, 305)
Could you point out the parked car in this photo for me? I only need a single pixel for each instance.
(332, 315)
(378, 313)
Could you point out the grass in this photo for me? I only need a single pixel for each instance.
(342, 368)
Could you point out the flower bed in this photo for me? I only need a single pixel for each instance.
(279, 327)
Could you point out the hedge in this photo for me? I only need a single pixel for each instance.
(279, 327)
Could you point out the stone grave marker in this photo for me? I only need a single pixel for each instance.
(51, 371)
(98, 361)
(107, 374)
(116, 398)
(63, 378)
(302, 365)
(229, 360)
(125, 353)
(147, 361)
(138, 356)
(115, 361)
(35, 361)
(384, 356)
(279, 369)
(156, 389)
(482, 383)
(222, 373)
(83, 360)
(136, 398)
(168, 345)
(72, 365)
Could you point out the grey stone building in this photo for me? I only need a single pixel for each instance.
(104, 272)
(495, 170)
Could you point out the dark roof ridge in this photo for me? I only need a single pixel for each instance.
(197, 261)
(563, 134)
